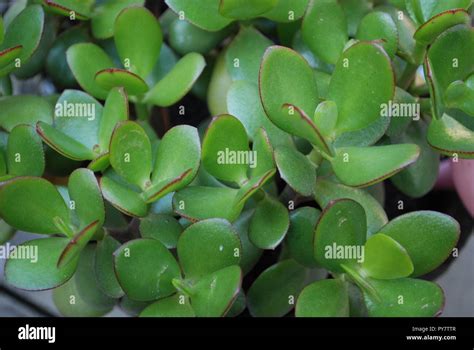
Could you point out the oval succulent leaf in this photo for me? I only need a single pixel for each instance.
(364, 166)
(252, 186)
(287, 11)
(208, 246)
(138, 39)
(104, 267)
(77, 244)
(115, 110)
(172, 306)
(24, 109)
(244, 9)
(363, 73)
(30, 214)
(324, 29)
(123, 198)
(428, 237)
(164, 228)
(379, 26)
(326, 298)
(43, 273)
(80, 10)
(460, 95)
(145, 269)
(25, 155)
(115, 77)
(9, 54)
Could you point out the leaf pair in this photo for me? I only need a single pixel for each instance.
(142, 179)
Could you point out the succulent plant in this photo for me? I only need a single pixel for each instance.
(312, 105)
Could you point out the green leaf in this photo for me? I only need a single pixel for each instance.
(177, 161)
(177, 82)
(299, 239)
(244, 54)
(326, 191)
(326, 41)
(203, 14)
(364, 166)
(244, 9)
(271, 292)
(138, 38)
(263, 149)
(25, 155)
(174, 306)
(123, 198)
(422, 10)
(2, 30)
(114, 77)
(296, 170)
(131, 154)
(104, 267)
(40, 273)
(9, 54)
(325, 118)
(188, 203)
(363, 73)
(145, 269)
(115, 110)
(385, 258)
(77, 244)
(239, 305)
(448, 136)
(85, 192)
(30, 212)
(85, 60)
(164, 228)
(428, 32)
(340, 234)
(24, 109)
(25, 30)
(420, 298)
(208, 246)
(250, 253)
(81, 10)
(429, 237)
(380, 26)
(213, 294)
(269, 224)
(252, 186)
(326, 298)
(106, 13)
(225, 149)
(460, 95)
(355, 10)
(287, 11)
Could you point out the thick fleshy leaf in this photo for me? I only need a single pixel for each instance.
(364, 166)
(244, 9)
(325, 118)
(326, 41)
(177, 161)
(177, 82)
(145, 269)
(78, 10)
(340, 234)
(225, 149)
(269, 224)
(355, 10)
(363, 73)
(379, 26)
(2, 30)
(326, 298)
(9, 54)
(25, 30)
(244, 54)
(439, 23)
(85, 193)
(208, 246)
(85, 60)
(174, 306)
(252, 186)
(287, 11)
(24, 109)
(40, 273)
(274, 292)
(30, 212)
(327, 191)
(299, 239)
(25, 155)
(405, 297)
(213, 294)
(460, 95)
(203, 14)
(250, 254)
(188, 203)
(164, 228)
(450, 137)
(239, 304)
(297, 170)
(429, 237)
(104, 267)
(138, 38)
(77, 243)
(422, 10)
(131, 154)
(114, 77)
(115, 110)
(123, 198)
(106, 13)
(385, 258)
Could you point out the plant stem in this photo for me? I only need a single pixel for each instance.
(141, 111)
(357, 277)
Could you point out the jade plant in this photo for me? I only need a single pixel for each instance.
(229, 157)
